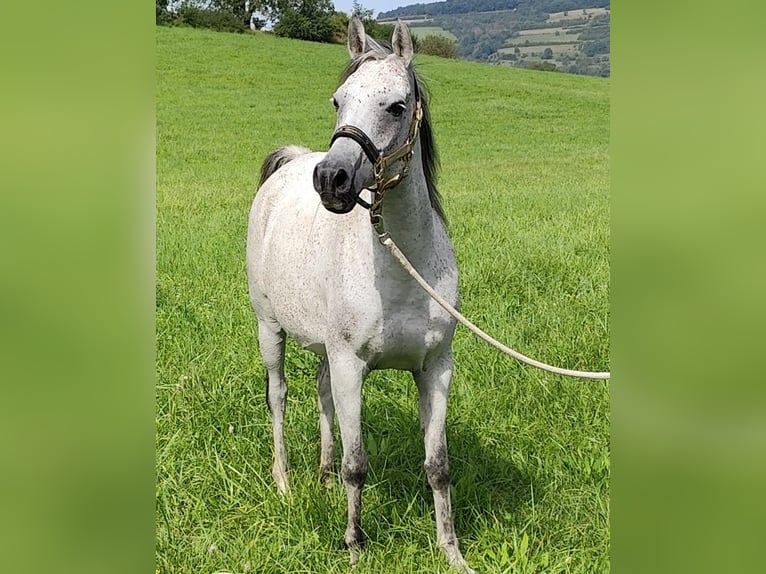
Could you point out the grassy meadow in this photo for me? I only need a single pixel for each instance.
(525, 181)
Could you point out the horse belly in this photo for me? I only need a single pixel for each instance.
(293, 288)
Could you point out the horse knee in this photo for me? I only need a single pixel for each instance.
(354, 468)
(437, 469)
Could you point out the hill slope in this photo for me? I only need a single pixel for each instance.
(525, 176)
(564, 35)
(470, 6)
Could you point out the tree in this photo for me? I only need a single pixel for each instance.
(162, 12)
(547, 54)
(438, 45)
(361, 12)
(305, 19)
(213, 19)
(371, 26)
(237, 7)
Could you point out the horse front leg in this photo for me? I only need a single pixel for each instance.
(433, 391)
(347, 373)
(326, 419)
(271, 339)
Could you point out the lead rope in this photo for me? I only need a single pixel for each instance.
(405, 153)
(386, 240)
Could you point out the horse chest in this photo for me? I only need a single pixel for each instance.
(400, 326)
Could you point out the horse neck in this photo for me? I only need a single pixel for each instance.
(408, 214)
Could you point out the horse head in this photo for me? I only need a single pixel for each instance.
(377, 119)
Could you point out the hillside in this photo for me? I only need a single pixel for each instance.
(525, 183)
(565, 35)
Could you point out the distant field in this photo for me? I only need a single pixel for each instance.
(529, 50)
(544, 37)
(423, 31)
(541, 31)
(409, 20)
(576, 14)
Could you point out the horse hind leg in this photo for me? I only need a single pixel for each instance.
(271, 339)
(433, 392)
(326, 419)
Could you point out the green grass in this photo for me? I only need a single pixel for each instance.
(525, 171)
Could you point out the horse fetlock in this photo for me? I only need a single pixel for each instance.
(354, 539)
(354, 542)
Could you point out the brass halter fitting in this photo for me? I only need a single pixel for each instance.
(405, 154)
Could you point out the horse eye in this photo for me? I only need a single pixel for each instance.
(396, 109)
(335, 103)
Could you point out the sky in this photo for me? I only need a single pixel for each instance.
(375, 5)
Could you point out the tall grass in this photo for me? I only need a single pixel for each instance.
(525, 185)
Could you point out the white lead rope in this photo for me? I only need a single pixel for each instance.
(396, 252)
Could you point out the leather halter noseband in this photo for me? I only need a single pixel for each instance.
(381, 162)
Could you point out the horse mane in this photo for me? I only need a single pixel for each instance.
(375, 50)
(278, 158)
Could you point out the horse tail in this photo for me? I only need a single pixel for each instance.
(278, 158)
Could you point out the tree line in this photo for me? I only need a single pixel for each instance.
(313, 20)
(449, 7)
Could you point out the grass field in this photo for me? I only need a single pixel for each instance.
(576, 14)
(555, 48)
(548, 39)
(525, 180)
(542, 31)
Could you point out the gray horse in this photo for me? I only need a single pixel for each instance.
(317, 272)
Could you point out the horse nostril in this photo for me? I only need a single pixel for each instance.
(341, 180)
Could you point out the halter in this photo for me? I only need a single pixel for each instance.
(381, 162)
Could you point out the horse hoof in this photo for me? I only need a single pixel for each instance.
(283, 489)
(326, 478)
(353, 555)
(354, 543)
(456, 561)
(281, 480)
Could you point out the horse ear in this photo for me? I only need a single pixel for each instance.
(401, 42)
(357, 39)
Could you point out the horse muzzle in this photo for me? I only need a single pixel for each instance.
(335, 185)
